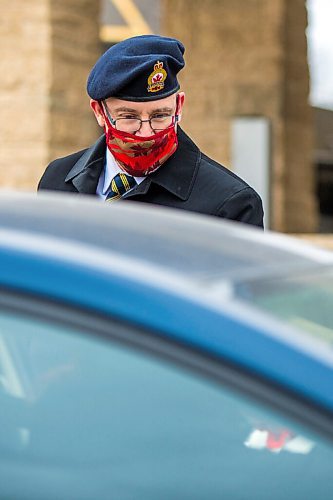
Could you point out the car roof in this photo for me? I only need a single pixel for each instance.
(195, 245)
(165, 269)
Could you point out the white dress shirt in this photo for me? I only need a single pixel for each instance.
(110, 170)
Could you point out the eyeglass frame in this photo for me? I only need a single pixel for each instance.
(175, 119)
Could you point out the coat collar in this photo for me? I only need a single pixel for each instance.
(177, 175)
(85, 173)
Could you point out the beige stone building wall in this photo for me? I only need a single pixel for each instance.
(25, 69)
(46, 50)
(301, 211)
(248, 57)
(75, 47)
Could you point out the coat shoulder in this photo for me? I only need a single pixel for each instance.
(220, 174)
(56, 172)
(230, 196)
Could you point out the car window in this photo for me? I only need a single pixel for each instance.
(304, 301)
(85, 417)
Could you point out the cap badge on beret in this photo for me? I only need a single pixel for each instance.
(156, 78)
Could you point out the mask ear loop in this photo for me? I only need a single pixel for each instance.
(177, 116)
(106, 113)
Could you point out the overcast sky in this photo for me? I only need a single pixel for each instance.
(320, 43)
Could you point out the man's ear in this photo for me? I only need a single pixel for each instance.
(96, 107)
(181, 100)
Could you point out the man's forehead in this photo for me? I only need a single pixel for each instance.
(160, 104)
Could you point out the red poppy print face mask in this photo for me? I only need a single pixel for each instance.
(140, 156)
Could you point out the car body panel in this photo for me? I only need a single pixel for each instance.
(192, 302)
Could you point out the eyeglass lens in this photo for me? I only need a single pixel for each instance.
(134, 124)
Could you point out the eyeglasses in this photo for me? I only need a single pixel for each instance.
(133, 125)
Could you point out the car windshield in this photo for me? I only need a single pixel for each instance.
(303, 301)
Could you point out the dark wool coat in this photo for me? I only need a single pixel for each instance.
(188, 180)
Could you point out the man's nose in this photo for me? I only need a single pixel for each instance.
(145, 129)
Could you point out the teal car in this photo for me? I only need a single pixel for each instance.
(148, 353)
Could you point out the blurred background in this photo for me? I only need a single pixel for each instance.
(258, 81)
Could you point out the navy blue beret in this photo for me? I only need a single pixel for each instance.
(142, 68)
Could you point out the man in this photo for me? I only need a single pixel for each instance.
(144, 155)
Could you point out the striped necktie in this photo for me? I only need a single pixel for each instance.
(120, 184)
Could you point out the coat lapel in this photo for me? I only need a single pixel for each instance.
(85, 173)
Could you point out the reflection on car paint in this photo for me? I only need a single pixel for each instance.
(9, 377)
(283, 440)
